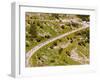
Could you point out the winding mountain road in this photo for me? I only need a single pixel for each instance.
(34, 49)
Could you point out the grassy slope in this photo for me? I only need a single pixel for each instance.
(48, 56)
(35, 26)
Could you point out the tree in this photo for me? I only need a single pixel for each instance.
(84, 17)
(60, 50)
(55, 16)
(33, 31)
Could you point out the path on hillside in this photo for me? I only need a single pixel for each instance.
(34, 49)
